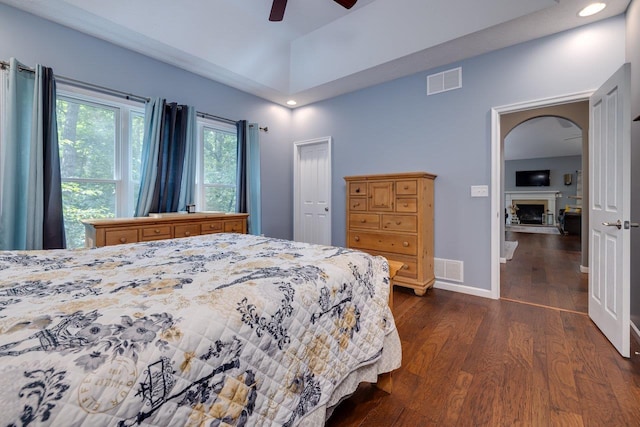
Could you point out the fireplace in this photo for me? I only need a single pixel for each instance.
(543, 202)
(531, 213)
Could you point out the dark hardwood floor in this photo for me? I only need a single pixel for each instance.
(545, 270)
(471, 361)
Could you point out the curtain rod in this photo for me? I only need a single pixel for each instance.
(109, 91)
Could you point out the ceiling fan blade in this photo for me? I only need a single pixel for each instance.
(277, 10)
(346, 3)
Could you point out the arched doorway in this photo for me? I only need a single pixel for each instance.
(551, 273)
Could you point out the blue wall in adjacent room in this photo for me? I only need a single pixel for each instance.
(396, 127)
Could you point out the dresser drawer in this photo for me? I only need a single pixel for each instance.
(409, 267)
(406, 223)
(117, 237)
(409, 187)
(156, 233)
(187, 230)
(358, 204)
(233, 226)
(408, 204)
(212, 227)
(362, 220)
(358, 188)
(400, 244)
(409, 264)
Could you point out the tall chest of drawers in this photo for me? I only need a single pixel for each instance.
(392, 215)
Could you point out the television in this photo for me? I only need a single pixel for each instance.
(539, 178)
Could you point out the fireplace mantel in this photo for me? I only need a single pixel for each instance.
(548, 196)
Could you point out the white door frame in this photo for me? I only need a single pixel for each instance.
(497, 216)
(325, 140)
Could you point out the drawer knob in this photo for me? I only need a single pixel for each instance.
(123, 240)
(357, 238)
(356, 204)
(406, 205)
(398, 222)
(406, 187)
(187, 233)
(363, 221)
(358, 190)
(405, 267)
(405, 244)
(156, 231)
(211, 226)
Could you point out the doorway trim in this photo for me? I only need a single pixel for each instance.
(497, 162)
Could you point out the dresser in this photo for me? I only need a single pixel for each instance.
(115, 231)
(392, 215)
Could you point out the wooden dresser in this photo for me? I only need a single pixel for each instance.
(115, 231)
(392, 215)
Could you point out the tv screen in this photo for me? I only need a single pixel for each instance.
(540, 178)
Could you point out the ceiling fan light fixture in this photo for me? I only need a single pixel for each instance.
(592, 9)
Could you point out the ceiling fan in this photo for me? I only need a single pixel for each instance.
(278, 6)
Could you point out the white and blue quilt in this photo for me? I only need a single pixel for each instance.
(216, 330)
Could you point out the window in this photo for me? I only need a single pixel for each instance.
(100, 142)
(216, 183)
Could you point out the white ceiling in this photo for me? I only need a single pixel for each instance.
(543, 137)
(320, 50)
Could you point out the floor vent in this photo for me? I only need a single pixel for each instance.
(448, 269)
(444, 81)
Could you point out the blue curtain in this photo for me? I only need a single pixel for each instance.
(248, 199)
(31, 206)
(168, 158)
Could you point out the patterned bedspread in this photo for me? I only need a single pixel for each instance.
(214, 330)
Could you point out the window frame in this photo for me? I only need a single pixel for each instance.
(125, 110)
(202, 124)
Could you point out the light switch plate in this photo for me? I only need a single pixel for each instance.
(479, 191)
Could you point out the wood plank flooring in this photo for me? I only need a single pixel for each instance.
(545, 270)
(471, 361)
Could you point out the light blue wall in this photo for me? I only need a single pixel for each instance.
(558, 167)
(72, 54)
(395, 127)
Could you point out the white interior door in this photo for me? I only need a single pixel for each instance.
(609, 209)
(312, 191)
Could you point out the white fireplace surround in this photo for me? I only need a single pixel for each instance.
(548, 196)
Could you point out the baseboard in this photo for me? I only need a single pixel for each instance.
(454, 287)
(584, 269)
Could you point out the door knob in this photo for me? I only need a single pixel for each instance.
(616, 224)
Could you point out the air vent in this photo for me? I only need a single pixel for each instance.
(448, 269)
(444, 81)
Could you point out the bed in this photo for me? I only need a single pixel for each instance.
(215, 330)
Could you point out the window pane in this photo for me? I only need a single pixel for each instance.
(83, 200)
(87, 140)
(220, 198)
(220, 160)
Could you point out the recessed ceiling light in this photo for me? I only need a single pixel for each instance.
(592, 9)
(291, 102)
